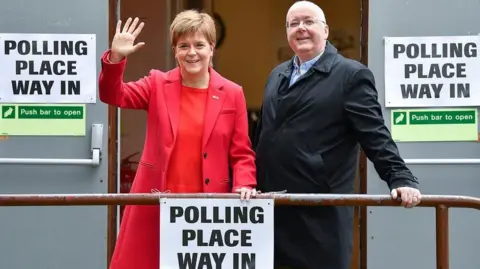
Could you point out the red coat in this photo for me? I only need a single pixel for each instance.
(225, 140)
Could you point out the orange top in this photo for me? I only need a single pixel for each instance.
(184, 174)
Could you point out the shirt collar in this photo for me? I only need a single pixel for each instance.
(308, 63)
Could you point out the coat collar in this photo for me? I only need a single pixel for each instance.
(324, 63)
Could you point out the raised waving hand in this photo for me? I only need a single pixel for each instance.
(122, 44)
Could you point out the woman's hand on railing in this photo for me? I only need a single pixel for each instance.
(246, 193)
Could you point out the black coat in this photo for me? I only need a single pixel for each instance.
(307, 142)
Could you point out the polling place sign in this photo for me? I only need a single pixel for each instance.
(216, 233)
(436, 71)
(48, 68)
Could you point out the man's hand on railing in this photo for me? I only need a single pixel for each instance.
(410, 197)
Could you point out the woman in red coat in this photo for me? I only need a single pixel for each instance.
(197, 129)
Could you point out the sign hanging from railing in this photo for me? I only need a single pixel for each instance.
(216, 233)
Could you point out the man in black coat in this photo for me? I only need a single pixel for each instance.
(317, 108)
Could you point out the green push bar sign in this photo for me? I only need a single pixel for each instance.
(42, 120)
(422, 125)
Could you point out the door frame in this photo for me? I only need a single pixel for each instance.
(359, 258)
(112, 145)
(362, 166)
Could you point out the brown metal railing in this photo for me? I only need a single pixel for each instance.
(441, 203)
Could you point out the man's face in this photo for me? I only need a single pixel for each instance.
(306, 33)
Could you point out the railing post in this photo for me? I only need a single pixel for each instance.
(441, 216)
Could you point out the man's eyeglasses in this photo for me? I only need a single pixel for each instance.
(306, 22)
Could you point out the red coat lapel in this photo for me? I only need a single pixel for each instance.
(173, 89)
(215, 99)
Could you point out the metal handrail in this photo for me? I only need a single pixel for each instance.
(441, 203)
(280, 199)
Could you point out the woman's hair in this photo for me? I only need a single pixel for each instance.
(191, 21)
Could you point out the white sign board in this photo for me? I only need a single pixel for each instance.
(216, 233)
(432, 71)
(48, 68)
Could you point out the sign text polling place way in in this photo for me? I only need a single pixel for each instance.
(432, 71)
(216, 233)
(48, 68)
(422, 125)
(43, 120)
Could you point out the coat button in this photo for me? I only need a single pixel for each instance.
(207, 181)
(205, 155)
